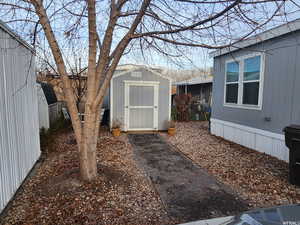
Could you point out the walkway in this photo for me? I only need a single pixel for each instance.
(188, 192)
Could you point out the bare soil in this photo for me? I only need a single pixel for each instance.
(55, 195)
(260, 179)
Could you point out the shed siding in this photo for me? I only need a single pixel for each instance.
(19, 127)
(163, 96)
(42, 108)
(281, 86)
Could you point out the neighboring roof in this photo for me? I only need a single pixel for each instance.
(49, 93)
(204, 79)
(264, 36)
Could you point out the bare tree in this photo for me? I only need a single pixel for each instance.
(111, 29)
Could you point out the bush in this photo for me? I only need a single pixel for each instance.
(183, 103)
(60, 123)
(174, 113)
(47, 136)
(46, 140)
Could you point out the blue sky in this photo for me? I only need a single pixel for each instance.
(187, 57)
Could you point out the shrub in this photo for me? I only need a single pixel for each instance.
(183, 102)
(171, 124)
(116, 124)
(174, 113)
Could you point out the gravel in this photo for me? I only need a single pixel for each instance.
(55, 195)
(260, 179)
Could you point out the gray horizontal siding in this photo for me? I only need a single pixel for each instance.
(19, 127)
(281, 90)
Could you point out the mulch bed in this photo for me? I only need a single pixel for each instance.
(260, 179)
(55, 195)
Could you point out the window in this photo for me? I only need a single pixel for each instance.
(243, 81)
(232, 82)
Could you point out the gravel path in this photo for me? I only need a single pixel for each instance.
(121, 195)
(260, 179)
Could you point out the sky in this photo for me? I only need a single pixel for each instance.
(65, 26)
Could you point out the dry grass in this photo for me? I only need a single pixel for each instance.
(260, 179)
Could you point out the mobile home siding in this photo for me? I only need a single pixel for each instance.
(118, 98)
(262, 129)
(19, 128)
(281, 86)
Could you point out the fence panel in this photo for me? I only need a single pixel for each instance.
(55, 111)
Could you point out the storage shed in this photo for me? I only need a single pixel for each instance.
(140, 99)
(19, 125)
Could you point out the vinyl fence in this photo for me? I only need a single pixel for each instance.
(55, 111)
(19, 127)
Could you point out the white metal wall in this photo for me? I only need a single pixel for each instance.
(19, 127)
(43, 108)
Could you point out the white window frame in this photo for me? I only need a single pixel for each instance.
(241, 82)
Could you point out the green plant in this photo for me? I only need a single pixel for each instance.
(174, 113)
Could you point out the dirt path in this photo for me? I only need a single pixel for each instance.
(188, 192)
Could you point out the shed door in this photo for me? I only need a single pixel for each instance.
(141, 106)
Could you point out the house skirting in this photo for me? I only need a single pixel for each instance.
(261, 140)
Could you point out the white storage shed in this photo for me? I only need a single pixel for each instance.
(140, 99)
(19, 123)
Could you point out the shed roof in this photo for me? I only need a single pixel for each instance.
(264, 36)
(204, 79)
(8, 30)
(137, 67)
(49, 93)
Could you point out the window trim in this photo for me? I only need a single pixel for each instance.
(241, 82)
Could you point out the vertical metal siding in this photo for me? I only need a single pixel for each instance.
(19, 127)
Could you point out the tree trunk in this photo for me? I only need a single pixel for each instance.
(88, 145)
(87, 133)
(88, 160)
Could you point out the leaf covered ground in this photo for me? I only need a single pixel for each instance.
(55, 195)
(260, 179)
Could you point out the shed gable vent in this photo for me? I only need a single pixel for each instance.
(136, 74)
